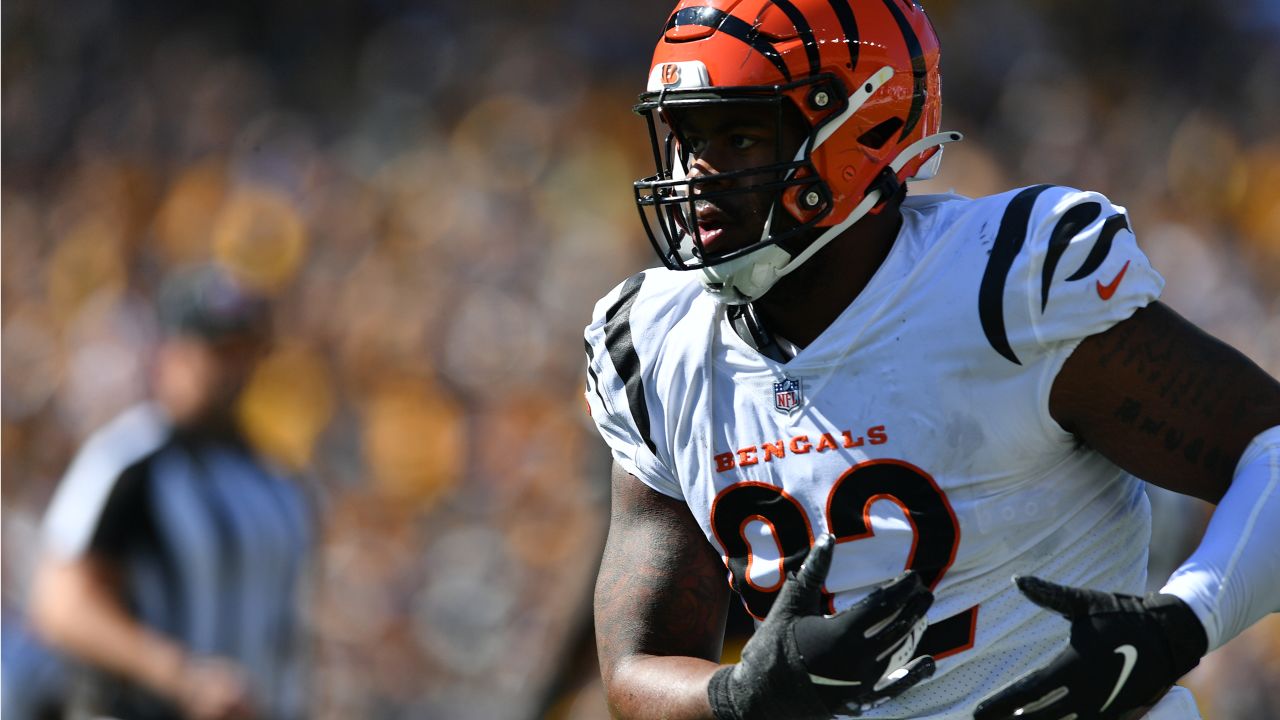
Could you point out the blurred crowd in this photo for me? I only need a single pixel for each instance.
(436, 193)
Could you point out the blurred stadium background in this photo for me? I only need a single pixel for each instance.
(436, 193)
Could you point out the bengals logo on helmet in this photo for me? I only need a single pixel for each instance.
(670, 74)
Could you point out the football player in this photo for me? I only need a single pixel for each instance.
(909, 428)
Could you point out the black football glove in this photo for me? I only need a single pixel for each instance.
(1125, 653)
(801, 664)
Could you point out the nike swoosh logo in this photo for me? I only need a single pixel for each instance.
(1130, 654)
(1106, 291)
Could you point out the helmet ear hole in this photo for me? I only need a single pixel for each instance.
(876, 137)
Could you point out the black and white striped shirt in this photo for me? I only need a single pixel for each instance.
(213, 546)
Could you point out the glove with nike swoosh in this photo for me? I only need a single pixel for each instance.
(1125, 652)
(802, 664)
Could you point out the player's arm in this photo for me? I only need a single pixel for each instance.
(660, 606)
(1166, 401)
(75, 606)
(1179, 408)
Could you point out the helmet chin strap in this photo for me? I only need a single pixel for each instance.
(746, 278)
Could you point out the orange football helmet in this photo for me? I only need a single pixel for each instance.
(864, 76)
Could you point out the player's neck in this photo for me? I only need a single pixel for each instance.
(805, 302)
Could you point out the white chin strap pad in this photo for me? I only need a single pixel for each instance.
(743, 279)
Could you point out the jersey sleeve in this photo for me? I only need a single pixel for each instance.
(1064, 265)
(99, 500)
(616, 392)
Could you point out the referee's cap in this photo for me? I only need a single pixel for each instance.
(208, 302)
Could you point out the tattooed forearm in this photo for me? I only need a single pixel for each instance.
(1165, 401)
(661, 588)
(660, 605)
(1157, 352)
(1175, 441)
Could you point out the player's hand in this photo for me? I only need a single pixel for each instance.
(1125, 653)
(800, 664)
(214, 689)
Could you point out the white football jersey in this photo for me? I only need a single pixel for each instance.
(915, 429)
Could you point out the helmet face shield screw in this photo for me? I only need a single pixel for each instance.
(820, 98)
(812, 198)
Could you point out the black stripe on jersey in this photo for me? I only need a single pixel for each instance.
(1072, 222)
(595, 379)
(732, 26)
(230, 553)
(171, 568)
(1008, 243)
(806, 33)
(849, 26)
(127, 532)
(949, 635)
(1102, 248)
(617, 340)
(918, 70)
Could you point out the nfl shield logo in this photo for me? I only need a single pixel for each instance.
(787, 396)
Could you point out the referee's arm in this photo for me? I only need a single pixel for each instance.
(75, 607)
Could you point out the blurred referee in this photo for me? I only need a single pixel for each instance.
(173, 555)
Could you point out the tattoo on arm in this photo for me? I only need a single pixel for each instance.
(1174, 440)
(1166, 401)
(662, 588)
